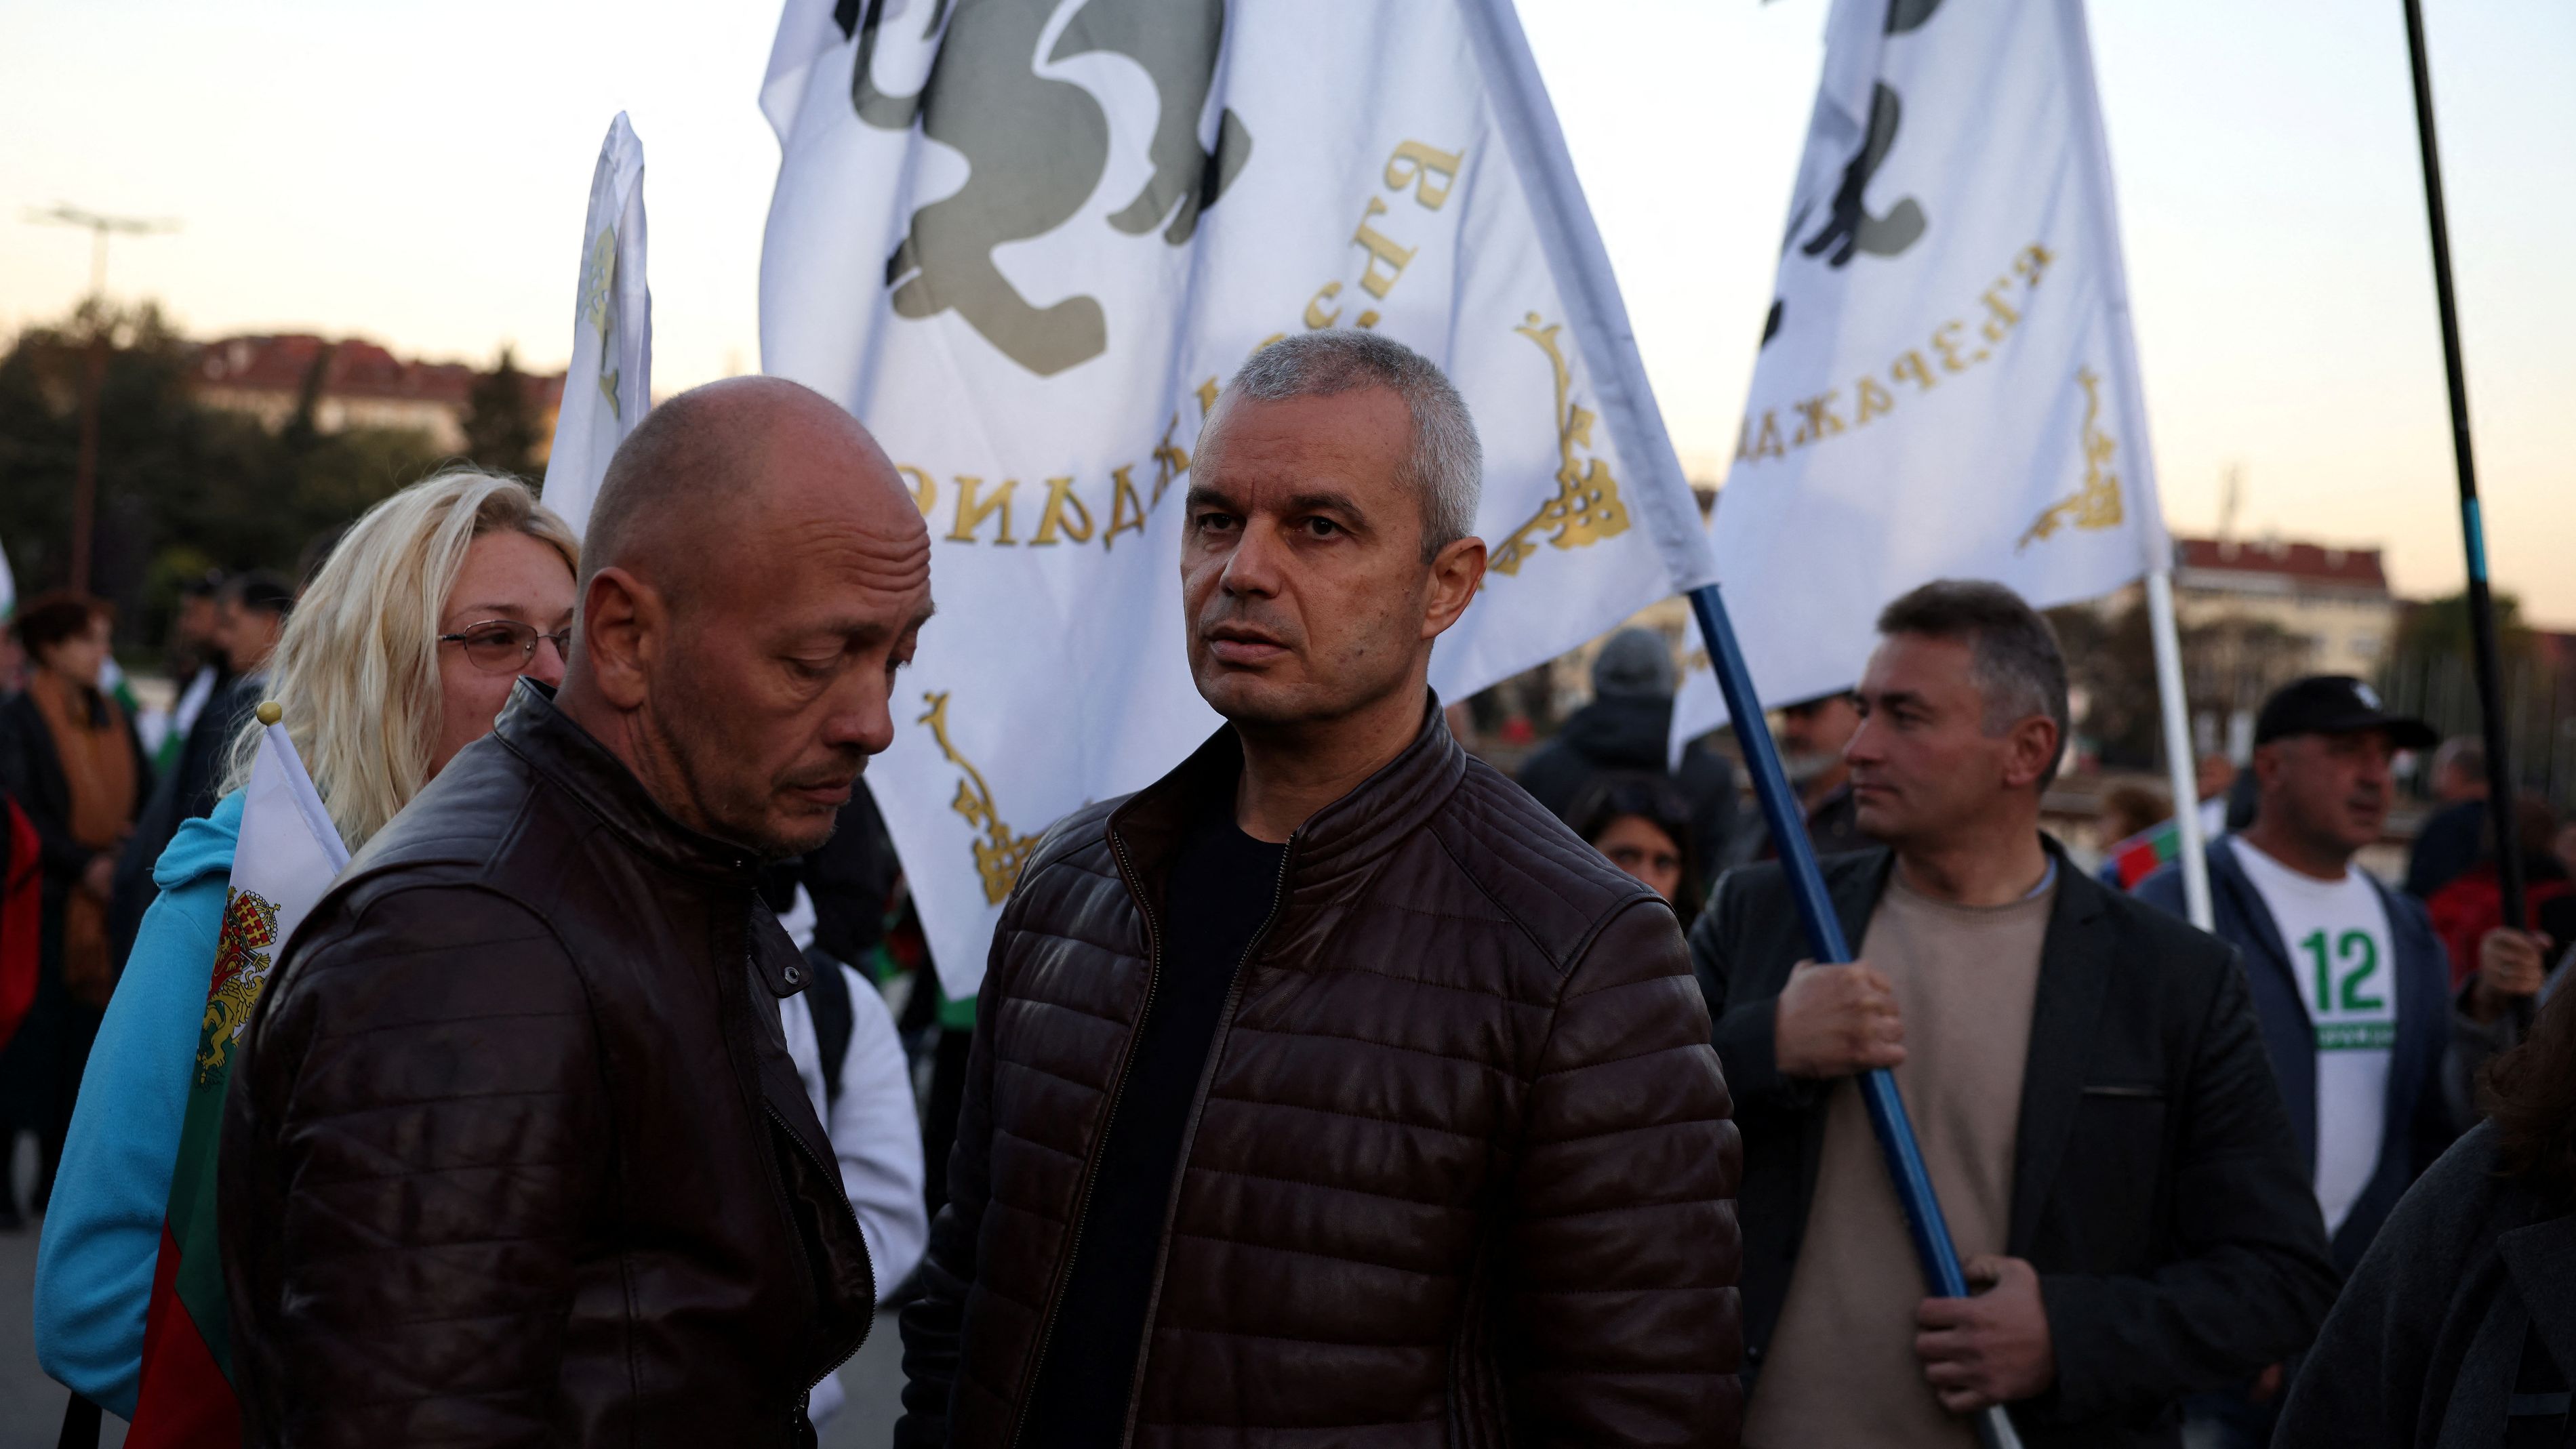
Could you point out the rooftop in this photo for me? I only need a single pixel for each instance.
(2280, 559)
(356, 369)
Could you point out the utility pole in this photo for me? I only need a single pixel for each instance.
(94, 368)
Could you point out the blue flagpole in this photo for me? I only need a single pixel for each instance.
(1933, 1249)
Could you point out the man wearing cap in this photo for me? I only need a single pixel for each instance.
(2348, 977)
(1625, 730)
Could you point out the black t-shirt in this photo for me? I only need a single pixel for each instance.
(1223, 889)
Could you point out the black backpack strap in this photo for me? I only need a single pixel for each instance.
(828, 995)
(80, 1425)
(2536, 1416)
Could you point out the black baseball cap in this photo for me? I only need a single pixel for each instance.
(2336, 704)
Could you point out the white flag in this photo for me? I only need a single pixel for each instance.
(609, 383)
(1027, 243)
(286, 856)
(1947, 385)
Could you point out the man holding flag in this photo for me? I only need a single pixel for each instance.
(2108, 1144)
(1328, 1085)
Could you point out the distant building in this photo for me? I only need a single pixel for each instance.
(363, 386)
(2258, 613)
(2332, 604)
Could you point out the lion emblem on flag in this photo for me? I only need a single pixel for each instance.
(243, 955)
(1036, 148)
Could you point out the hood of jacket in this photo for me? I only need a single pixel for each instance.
(1626, 732)
(202, 846)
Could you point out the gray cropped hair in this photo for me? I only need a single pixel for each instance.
(1447, 467)
(2013, 654)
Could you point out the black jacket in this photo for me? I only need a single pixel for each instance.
(513, 1151)
(1631, 735)
(2465, 1302)
(2156, 1186)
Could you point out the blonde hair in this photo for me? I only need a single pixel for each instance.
(357, 668)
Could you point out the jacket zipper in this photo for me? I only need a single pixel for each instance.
(796, 1236)
(1189, 1135)
(1091, 1165)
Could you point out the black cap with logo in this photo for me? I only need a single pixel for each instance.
(2336, 704)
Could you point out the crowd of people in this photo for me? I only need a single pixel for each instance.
(1334, 1087)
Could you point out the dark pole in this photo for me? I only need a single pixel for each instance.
(85, 473)
(2482, 630)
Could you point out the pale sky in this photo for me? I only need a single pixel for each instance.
(416, 173)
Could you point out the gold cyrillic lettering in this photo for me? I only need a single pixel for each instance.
(1874, 400)
(2034, 259)
(1381, 249)
(1816, 420)
(1911, 368)
(1208, 392)
(1077, 526)
(2000, 317)
(1317, 319)
(1126, 510)
(1948, 347)
(1414, 164)
(971, 511)
(1170, 460)
(1766, 444)
(925, 489)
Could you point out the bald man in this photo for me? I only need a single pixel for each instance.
(515, 1153)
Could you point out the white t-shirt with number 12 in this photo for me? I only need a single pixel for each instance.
(2340, 951)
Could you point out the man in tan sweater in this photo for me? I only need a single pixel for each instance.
(2084, 1075)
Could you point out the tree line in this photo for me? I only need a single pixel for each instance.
(184, 488)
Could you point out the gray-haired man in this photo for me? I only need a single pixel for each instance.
(2085, 1074)
(1328, 1089)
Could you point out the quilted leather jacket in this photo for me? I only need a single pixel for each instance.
(514, 1153)
(1460, 1169)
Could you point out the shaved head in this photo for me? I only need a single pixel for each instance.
(754, 574)
(695, 474)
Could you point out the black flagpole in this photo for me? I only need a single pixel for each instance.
(2482, 629)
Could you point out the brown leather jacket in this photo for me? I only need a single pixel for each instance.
(514, 1153)
(1461, 1168)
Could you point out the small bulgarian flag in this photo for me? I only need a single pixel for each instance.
(2137, 857)
(285, 857)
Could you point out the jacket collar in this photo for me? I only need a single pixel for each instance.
(1334, 848)
(536, 729)
(2075, 958)
(2227, 873)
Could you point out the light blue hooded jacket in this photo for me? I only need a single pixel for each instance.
(102, 1235)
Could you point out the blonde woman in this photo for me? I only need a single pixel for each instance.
(408, 643)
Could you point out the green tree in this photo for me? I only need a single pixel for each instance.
(180, 486)
(500, 427)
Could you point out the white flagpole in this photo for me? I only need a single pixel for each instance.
(2180, 765)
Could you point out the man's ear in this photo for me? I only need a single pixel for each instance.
(2034, 747)
(621, 632)
(1456, 572)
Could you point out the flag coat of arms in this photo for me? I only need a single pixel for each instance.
(608, 385)
(283, 860)
(1947, 386)
(1027, 241)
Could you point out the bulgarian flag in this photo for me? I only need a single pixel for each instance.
(287, 854)
(2137, 857)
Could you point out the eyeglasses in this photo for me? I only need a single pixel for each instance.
(505, 646)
